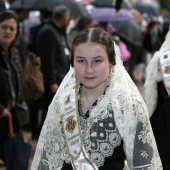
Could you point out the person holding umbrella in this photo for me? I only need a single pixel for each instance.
(97, 119)
(11, 88)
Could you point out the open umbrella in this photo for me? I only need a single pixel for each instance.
(76, 8)
(117, 4)
(110, 14)
(129, 29)
(147, 8)
(107, 3)
(21, 4)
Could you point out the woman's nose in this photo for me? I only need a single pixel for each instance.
(89, 68)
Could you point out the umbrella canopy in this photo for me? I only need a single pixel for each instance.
(21, 4)
(117, 4)
(76, 8)
(106, 3)
(147, 8)
(129, 29)
(109, 14)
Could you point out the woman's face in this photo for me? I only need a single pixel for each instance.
(8, 31)
(91, 65)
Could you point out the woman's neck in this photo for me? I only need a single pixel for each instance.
(89, 96)
(92, 94)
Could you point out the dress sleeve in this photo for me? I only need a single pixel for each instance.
(145, 154)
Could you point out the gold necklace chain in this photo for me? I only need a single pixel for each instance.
(90, 104)
(87, 100)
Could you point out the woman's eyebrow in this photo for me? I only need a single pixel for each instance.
(79, 56)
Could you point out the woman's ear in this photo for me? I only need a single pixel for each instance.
(111, 66)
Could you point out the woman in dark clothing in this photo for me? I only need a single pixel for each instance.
(157, 96)
(53, 49)
(11, 90)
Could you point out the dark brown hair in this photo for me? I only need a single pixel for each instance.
(94, 35)
(9, 14)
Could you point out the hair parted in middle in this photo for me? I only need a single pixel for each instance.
(95, 35)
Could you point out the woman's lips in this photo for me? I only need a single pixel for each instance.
(89, 78)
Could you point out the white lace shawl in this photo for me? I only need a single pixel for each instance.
(130, 114)
(154, 75)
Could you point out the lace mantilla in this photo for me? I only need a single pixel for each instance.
(121, 104)
(154, 75)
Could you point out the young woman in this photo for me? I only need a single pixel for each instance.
(97, 119)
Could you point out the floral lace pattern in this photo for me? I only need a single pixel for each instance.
(121, 104)
(100, 138)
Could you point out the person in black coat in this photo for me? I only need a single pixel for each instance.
(11, 87)
(53, 49)
(34, 106)
(34, 30)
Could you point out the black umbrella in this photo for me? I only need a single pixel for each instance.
(21, 4)
(129, 29)
(17, 152)
(76, 8)
(147, 8)
(117, 4)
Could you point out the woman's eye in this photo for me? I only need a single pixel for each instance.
(80, 61)
(98, 61)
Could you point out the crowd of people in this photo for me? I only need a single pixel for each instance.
(91, 114)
